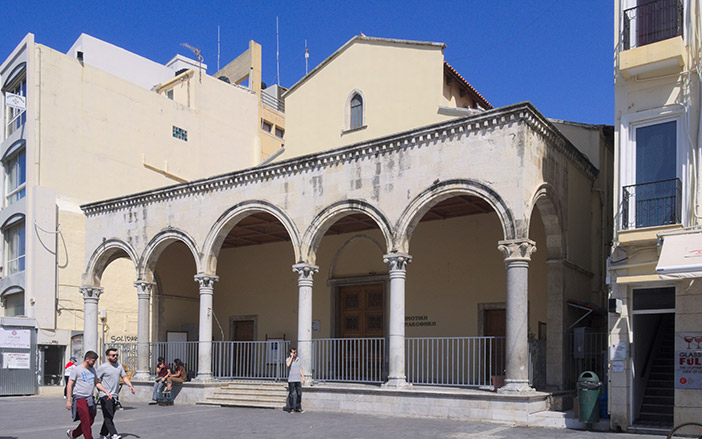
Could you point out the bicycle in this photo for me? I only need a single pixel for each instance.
(687, 430)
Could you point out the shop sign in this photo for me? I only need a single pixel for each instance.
(15, 338)
(688, 360)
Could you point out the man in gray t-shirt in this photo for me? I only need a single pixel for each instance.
(109, 374)
(81, 384)
(296, 378)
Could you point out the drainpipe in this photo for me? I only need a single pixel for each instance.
(273, 156)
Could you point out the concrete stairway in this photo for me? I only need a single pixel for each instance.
(261, 394)
(658, 402)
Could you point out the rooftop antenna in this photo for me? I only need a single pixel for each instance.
(307, 57)
(218, 40)
(277, 51)
(197, 53)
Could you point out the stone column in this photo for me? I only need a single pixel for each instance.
(304, 317)
(144, 296)
(396, 331)
(204, 366)
(91, 295)
(517, 254)
(555, 326)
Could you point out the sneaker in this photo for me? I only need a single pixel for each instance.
(152, 402)
(69, 433)
(299, 410)
(116, 436)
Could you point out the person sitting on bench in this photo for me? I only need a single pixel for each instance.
(177, 375)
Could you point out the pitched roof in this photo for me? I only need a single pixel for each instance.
(450, 70)
(363, 38)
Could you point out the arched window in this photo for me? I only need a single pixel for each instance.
(356, 120)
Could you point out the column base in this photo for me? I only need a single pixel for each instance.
(141, 376)
(516, 386)
(203, 378)
(396, 383)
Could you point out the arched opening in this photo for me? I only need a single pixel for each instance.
(255, 298)
(170, 263)
(455, 311)
(113, 268)
(349, 302)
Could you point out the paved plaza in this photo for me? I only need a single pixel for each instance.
(43, 417)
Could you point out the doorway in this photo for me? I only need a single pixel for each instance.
(361, 318)
(652, 358)
(52, 367)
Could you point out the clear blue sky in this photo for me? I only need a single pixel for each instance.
(556, 54)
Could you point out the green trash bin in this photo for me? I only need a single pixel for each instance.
(589, 386)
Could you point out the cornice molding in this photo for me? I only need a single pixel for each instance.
(423, 137)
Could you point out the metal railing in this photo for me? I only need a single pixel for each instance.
(651, 204)
(455, 361)
(250, 359)
(651, 22)
(358, 360)
(127, 354)
(272, 102)
(186, 351)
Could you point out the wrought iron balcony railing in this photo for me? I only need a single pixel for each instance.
(651, 204)
(651, 22)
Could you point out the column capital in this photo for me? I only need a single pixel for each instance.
(144, 288)
(91, 293)
(397, 261)
(517, 250)
(206, 281)
(305, 271)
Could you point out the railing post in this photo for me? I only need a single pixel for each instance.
(398, 270)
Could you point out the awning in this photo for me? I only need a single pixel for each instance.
(681, 256)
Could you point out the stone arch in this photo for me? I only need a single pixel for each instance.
(421, 204)
(327, 217)
(228, 220)
(108, 251)
(158, 244)
(341, 249)
(546, 200)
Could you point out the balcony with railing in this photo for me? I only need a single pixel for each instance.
(651, 37)
(652, 204)
(272, 102)
(652, 22)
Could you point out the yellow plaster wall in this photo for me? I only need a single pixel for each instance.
(407, 98)
(456, 266)
(105, 128)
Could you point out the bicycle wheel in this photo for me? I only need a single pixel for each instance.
(688, 430)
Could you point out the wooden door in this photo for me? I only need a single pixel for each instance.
(494, 325)
(243, 353)
(361, 315)
(244, 330)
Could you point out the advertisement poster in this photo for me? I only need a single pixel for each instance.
(13, 360)
(688, 360)
(14, 338)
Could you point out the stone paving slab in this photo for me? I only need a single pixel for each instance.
(46, 417)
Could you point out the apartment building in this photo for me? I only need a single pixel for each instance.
(655, 307)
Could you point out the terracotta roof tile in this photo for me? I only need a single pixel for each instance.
(466, 84)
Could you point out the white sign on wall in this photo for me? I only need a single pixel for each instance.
(15, 101)
(688, 360)
(14, 338)
(14, 360)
